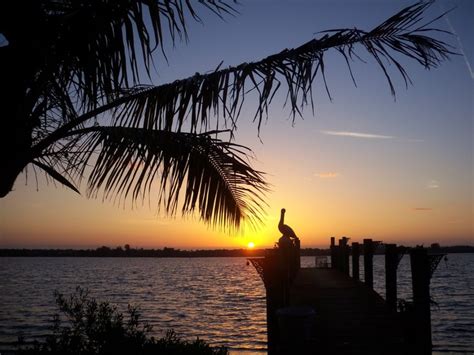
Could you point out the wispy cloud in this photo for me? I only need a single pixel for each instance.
(357, 134)
(461, 47)
(432, 184)
(422, 209)
(327, 175)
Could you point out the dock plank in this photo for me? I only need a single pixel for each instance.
(350, 317)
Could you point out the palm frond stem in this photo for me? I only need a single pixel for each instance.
(213, 174)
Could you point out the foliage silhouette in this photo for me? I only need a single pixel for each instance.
(59, 82)
(89, 327)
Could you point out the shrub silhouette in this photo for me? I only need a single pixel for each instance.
(86, 326)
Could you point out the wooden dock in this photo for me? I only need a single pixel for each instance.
(326, 311)
(350, 318)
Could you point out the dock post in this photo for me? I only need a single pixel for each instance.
(391, 264)
(298, 255)
(333, 252)
(275, 270)
(345, 255)
(355, 260)
(421, 274)
(273, 301)
(340, 255)
(369, 262)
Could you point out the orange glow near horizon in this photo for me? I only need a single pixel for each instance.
(57, 218)
(363, 166)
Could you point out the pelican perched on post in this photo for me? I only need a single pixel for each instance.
(283, 228)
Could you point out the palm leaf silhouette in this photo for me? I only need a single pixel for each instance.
(55, 175)
(62, 85)
(201, 96)
(214, 174)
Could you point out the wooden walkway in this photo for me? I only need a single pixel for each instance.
(350, 318)
(324, 311)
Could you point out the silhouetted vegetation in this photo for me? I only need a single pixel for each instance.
(58, 85)
(127, 251)
(131, 252)
(88, 327)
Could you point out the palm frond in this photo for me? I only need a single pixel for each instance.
(55, 175)
(214, 100)
(213, 176)
(145, 142)
(202, 97)
(96, 47)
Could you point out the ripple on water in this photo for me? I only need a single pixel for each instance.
(221, 300)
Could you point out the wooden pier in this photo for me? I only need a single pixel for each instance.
(326, 311)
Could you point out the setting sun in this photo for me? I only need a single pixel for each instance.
(250, 245)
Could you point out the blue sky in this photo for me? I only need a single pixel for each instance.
(364, 165)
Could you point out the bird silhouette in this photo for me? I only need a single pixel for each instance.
(283, 228)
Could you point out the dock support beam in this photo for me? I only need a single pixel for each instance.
(343, 262)
(421, 274)
(274, 301)
(333, 252)
(355, 261)
(391, 264)
(297, 258)
(345, 255)
(369, 262)
(277, 269)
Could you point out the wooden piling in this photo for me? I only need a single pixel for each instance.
(274, 301)
(275, 279)
(333, 252)
(297, 257)
(391, 264)
(369, 262)
(344, 255)
(355, 260)
(336, 257)
(421, 274)
(340, 255)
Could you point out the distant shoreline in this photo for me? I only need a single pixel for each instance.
(178, 253)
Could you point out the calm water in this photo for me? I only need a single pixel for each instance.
(221, 300)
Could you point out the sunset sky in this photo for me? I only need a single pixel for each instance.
(365, 165)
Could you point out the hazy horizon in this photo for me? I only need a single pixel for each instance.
(468, 243)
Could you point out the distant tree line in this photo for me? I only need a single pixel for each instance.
(166, 252)
(127, 251)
